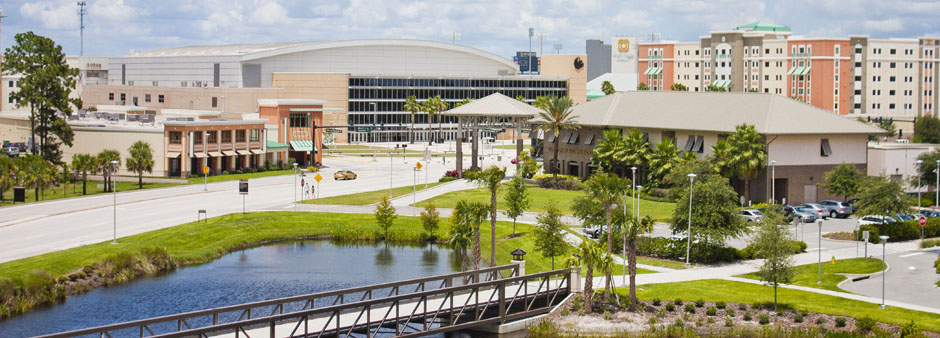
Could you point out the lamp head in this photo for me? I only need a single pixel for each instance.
(692, 175)
(884, 238)
(772, 162)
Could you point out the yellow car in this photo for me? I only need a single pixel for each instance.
(344, 175)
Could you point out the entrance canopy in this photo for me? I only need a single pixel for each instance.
(302, 145)
(496, 105)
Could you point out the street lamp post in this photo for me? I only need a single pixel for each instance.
(884, 266)
(819, 250)
(390, 179)
(936, 200)
(624, 233)
(114, 166)
(375, 119)
(773, 186)
(688, 245)
(295, 186)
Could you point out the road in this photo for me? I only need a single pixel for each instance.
(37, 228)
(910, 278)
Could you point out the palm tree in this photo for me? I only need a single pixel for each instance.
(636, 149)
(556, 115)
(34, 172)
(460, 237)
(471, 215)
(606, 265)
(590, 256)
(434, 106)
(748, 154)
(141, 160)
(84, 164)
(609, 150)
(104, 165)
(662, 160)
(491, 179)
(632, 231)
(607, 189)
(7, 171)
(412, 105)
(721, 159)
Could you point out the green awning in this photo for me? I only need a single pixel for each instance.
(798, 70)
(275, 145)
(805, 70)
(791, 71)
(302, 145)
(648, 70)
(723, 83)
(657, 71)
(595, 93)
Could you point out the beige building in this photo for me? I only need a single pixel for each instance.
(801, 153)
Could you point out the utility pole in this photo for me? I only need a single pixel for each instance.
(455, 36)
(81, 19)
(542, 37)
(531, 34)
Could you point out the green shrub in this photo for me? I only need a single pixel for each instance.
(804, 312)
(544, 328)
(608, 315)
(670, 307)
(910, 330)
(560, 183)
(840, 322)
(678, 301)
(798, 318)
(750, 251)
(699, 303)
(929, 243)
(560, 177)
(729, 322)
(820, 321)
(652, 321)
(669, 249)
(747, 316)
(763, 319)
(690, 308)
(729, 311)
(711, 311)
(742, 307)
(678, 322)
(865, 325)
(720, 304)
(447, 179)
(902, 231)
(656, 301)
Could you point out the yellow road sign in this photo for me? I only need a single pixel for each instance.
(318, 178)
(205, 170)
(418, 165)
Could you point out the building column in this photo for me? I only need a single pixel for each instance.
(459, 157)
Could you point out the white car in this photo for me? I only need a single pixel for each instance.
(751, 215)
(875, 219)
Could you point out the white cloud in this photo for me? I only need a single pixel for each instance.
(270, 13)
(889, 25)
(55, 15)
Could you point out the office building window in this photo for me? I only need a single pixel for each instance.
(891, 106)
(146, 97)
(212, 137)
(160, 98)
(226, 136)
(176, 137)
(254, 135)
(298, 120)
(110, 96)
(240, 135)
(824, 149)
(123, 98)
(891, 92)
(197, 137)
(215, 102)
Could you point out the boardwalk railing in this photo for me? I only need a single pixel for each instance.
(175, 325)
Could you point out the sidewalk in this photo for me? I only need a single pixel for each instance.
(134, 179)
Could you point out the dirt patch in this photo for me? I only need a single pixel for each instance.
(840, 236)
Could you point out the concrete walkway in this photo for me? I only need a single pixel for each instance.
(134, 179)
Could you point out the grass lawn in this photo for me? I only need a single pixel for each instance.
(539, 199)
(199, 242)
(807, 275)
(369, 197)
(714, 290)
(70, 190)
(677, 265)
(231, 177)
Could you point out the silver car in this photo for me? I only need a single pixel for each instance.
(837, 209)
(751, 215)
(821, 211)
(804, 215)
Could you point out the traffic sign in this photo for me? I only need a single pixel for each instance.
(243, 186)
(331, 130)
(865, 235)
(364, 130)
(318, 178)
(418, 165)
(526, 131)
(923, 221)
(205, 170)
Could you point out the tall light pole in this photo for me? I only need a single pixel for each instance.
(390, 179)
(114, 166)
(773, 185)
(688, 245)
(936, 200)
(624, 233)
(639, 188)
(633, 191)
(375, 119)
(919, 163)
(884, 266)
(819, 250)
(295, 186)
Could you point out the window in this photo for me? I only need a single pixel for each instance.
(110, 96)
(197, 137)
(215, 102)
(160, 98)
(155, 83)
(123, 98)
(176, 137)
(891, 92)
(892, 78)
(226, 136)
(891, 106)
(146, 97)
(893, 51)
(893, 65)
(254, 135)
(298, 120)
(824, 149)
(240, 135)
(11, 84)
(212, 137)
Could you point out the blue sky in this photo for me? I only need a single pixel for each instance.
(115, 27)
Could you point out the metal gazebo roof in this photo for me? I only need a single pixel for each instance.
(496, 105)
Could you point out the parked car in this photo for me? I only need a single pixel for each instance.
(904, 217)
(852, 203)
(929, 213)
(802, 214)
(12, 151)
(837, 209)
(750, 215)
(875, 219)
(821, 211)
(594, 233)
(344, 175)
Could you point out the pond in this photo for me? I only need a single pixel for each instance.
(267, 272)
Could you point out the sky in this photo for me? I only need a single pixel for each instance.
(116, 27)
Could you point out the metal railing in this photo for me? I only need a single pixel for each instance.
(176, 325)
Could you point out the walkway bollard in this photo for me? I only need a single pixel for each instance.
(575, 278)
(521, 264)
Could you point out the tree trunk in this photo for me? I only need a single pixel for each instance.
(775, 296)
(513, 228)
(440, 127)
(411, 135)
(610, 235)
(476, 247)
(37, 192)
(140, 180)
(554, 164)
(493, 229)
(589, 289)
(631, 265)
(465, 261)
(84, 184)
(747, 190)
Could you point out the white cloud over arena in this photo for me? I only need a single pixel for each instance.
(114, 27)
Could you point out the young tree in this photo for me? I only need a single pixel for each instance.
(550, 234)
(714, 210)
(721, 160)
(642, 86)
(430, 218)
(927, 129)
(103, 161)
(556, 115)
(460, 237)
(607, 189)
(412, 105)
(590, 253)
(434, 106)
(84, 164)
(774, 246)
(662, 160)
(472, 215)
(636, 149)
(45, 86)
(748, 154)
(34, 172)
(517, 200)
(141, 160)
(491, 179)
(882, 196)
(606, 265)
(632, 232)
(844, 180)
(529, 166)
(385, 215)
(678, 87)
(926, 169)
(7, 174)
(607, 88)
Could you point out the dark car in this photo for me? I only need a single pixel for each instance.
(837, 209)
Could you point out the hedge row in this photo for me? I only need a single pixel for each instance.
(700, 252)
(902, 231)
